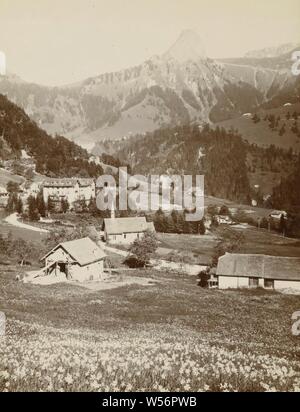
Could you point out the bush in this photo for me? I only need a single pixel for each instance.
(141, 250)
(134, 263)
(203, 278)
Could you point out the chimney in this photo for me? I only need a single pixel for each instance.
(112, 210)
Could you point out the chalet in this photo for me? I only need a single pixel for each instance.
(251, 271)
(125, 230)
(72, 190)
(80, 260)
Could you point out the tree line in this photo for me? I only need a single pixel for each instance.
(54, 156)
(175, 222)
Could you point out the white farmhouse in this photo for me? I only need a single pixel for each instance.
(80, 260)
(125, 230)
(252, 271)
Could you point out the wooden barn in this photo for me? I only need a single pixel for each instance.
(250, 271)
(80, 259)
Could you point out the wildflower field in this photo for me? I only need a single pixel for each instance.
(168, 336)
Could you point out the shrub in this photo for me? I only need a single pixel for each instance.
(141, 250)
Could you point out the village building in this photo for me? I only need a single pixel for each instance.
(224, 220)
(276, 214)
(80, 260)
(125, 230)
(4, 195)
(72, 190)
(252, 271)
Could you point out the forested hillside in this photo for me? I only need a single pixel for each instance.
(233, 168)
(287, 194)
(219, 155)
(53, 156)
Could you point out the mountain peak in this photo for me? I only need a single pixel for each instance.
(188, 46)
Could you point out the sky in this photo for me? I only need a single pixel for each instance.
(56, 42)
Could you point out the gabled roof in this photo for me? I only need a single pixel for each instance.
(259, 266)
(83, 251)
(121, 225)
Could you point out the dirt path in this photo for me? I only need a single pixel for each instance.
(161, 264)
(13, 220)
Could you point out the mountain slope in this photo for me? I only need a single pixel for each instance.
(178, 87)
(284, 134)
(52, 156)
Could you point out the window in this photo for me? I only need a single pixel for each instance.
(253, 282)
(269, 283)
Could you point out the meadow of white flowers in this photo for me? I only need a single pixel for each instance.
(36, 358)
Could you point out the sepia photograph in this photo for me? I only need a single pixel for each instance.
(149, 199)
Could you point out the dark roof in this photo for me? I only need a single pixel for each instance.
(60, 183)
(259, 266)
(65, 182)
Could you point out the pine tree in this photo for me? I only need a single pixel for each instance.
(92, 205)
(64, 205)
(201, 227)
(12, 202)
(40, 204)
(12, 187)
(19, 206)
(50, 205)
(282, 225)
(33, 212)
(282, 130)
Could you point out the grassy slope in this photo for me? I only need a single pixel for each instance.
(260, 133)
(254, 212)
(6, 176)
(175, 299)
(256, 241)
